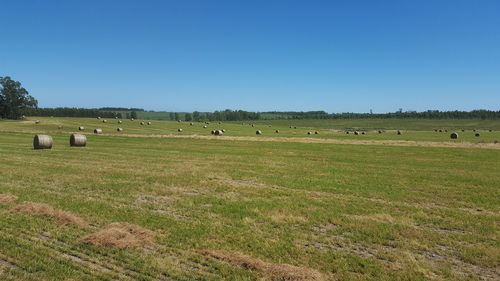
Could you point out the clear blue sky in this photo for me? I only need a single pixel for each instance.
(257, 55)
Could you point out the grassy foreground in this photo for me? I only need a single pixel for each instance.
(349, 212)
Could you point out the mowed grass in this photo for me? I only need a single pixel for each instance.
(351, 212)
(412, 130)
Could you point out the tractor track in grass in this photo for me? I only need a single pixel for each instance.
(83, 261)
(444, 144)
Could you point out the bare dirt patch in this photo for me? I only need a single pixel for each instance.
(40, 209)
(120, 235)
(285, 272)
(7, 198)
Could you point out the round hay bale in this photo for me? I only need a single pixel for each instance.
(474, 130)
(212, 132)
(380, 132)
(191, 124)
(362, 133)
(356, 133)
(131, 119)
(119, 129)
(81, 128)
(316, 132)
(454, 136)
(116, 117)
(77, 140)
(446, 131)
(309, 133)
(440, 131)
(104, 121)
(149, 123)
(42, 142)
(23, 117)
(180, 130)
(490, 131)
(98, 131)
(463, 130)
(259, 132)
(223, 130)
(277, 131)
(205, 127)
(119, 121)
(295, 127)
(347, 132)
(98, 117)
(37, 121)
(253, 125)
(290, 127)
(477, 135)
(399, 132)
(218, 132)
(435, 130)
(142, 123)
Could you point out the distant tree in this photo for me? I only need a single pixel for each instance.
(172, 116)
(188, 117)
(176, 116)
(196, 116)
(14, 99)
(133, 114)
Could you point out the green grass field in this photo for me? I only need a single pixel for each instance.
(344, 211)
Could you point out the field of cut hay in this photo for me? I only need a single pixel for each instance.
(152, 203)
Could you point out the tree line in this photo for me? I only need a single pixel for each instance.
(15, 102)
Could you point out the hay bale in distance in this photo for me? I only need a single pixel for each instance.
(399, 132)
(259, 132)
(191, 124)
(180, 130)
(119, 121)
(356, 133)
(440, 131)
(347, 132)
(98, 117)
(477, 135)
(98, 131)
(81, 128)
(223, 130)
(37, 121)
(142, 123)
(204, 127)
(104, 121)
(277, 131)
(380, 132)
(316, 132)
(309, 133)
(362, 133)
(77, 140)
(454, 136)
(42, 142)
(149, 123)
(218, 132)
(131, 119)
(119, 129)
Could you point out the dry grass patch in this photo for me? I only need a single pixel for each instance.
(285, 272)
(7, 198)
(40, 209)
(120, 235)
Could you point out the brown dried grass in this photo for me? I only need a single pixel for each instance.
(7, 198)
(120, 235)
(284, 272)
(39, 209)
